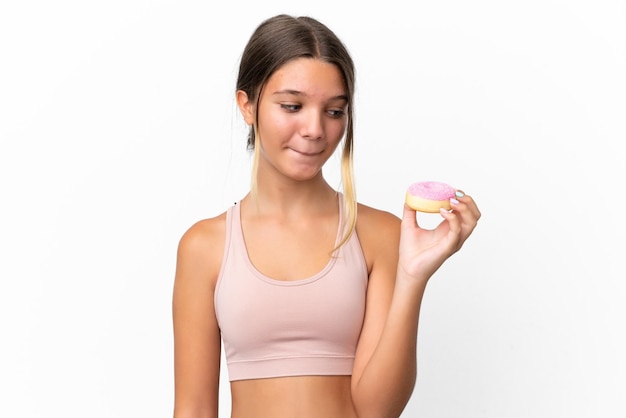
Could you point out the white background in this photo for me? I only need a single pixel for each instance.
(119, 131)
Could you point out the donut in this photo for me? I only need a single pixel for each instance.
(429, 196)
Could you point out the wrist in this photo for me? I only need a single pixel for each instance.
(409, 281)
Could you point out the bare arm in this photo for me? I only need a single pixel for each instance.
(196, 333)
(403, 258)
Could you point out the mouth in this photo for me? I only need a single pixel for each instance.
(307, 153)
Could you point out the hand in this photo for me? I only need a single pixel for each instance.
(423, 251)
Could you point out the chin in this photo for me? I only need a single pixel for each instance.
(304, 175)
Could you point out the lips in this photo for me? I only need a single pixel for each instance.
(307, 153)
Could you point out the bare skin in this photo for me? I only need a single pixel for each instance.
(301, 122)
(301, 396)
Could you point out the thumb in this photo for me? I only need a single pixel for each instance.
(409, 217)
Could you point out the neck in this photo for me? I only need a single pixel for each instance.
(292, 197)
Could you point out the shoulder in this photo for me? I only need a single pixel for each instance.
(201, 248)
(371, 222)
(203, 233)
(379, 234)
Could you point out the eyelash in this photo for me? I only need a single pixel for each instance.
(292, 108)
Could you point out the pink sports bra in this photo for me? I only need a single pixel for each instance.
(273, 328)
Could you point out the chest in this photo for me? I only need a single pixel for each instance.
(290, 251)
(260, 316)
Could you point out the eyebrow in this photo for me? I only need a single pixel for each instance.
(300, 93)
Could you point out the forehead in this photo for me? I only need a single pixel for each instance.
(310, 76)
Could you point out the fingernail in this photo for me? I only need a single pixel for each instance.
(454, 201)
(459, 194)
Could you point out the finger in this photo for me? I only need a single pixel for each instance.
(409, 217)
(454, 225)
(471, 206)
(468, 219)
(469, 201)
(464, 211)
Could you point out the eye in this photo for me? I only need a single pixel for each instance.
(290, 107)
(336, 113)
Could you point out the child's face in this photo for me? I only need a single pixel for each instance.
(302, 117)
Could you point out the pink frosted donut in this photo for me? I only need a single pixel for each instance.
(429, 196)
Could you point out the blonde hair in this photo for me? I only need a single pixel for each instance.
(349, 203)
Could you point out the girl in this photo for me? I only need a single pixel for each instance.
(315, 297)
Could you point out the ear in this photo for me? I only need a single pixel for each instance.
(246, 107)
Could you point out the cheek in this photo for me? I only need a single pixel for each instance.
(337, 130)
(275, 123)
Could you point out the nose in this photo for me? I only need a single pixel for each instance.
(312, 127)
